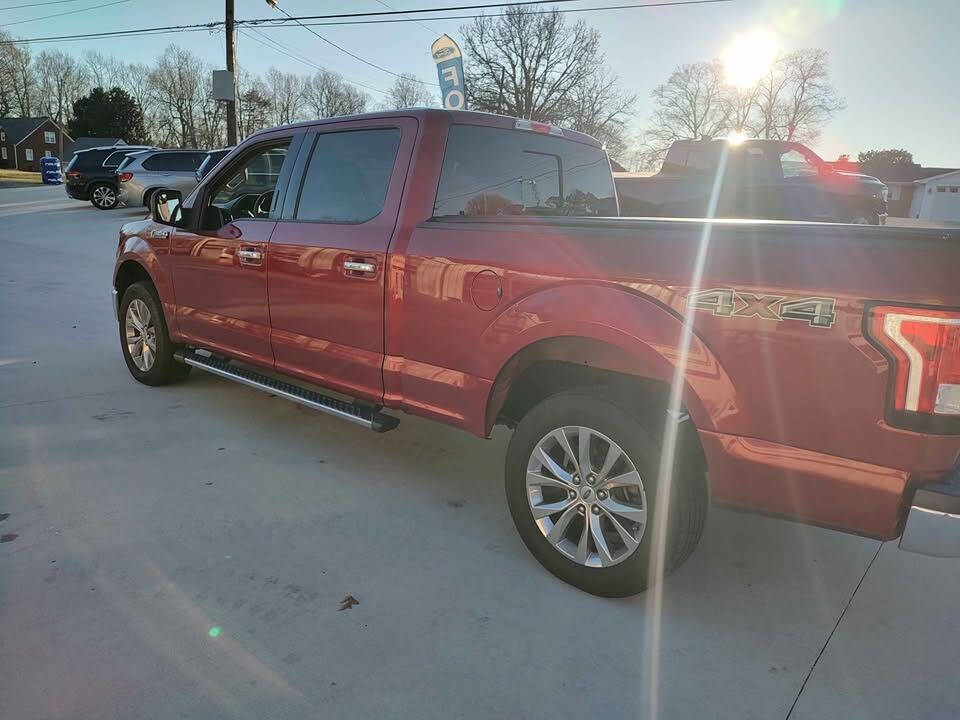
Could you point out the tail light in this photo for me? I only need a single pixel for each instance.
(924, 347)
(74, 174)
(124, 177)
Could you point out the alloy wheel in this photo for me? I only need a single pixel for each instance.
(104, 196)
(586, 496)
(141, 335)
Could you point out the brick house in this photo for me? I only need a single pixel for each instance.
(23, 141)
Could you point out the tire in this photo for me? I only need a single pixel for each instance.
(103, 196)
(150, 366)
(613, 574)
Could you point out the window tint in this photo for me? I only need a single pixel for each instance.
(126, 161)
(756, 166)
(113, 159)
(348, 176)
(492, 171)
(90, 158)
(795, 164)
(172, 162)
(210, 161)
(246, 191)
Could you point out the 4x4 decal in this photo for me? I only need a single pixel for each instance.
(817, 311)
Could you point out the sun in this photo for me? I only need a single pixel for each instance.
(749, 57)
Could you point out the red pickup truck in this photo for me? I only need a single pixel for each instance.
(472, 269)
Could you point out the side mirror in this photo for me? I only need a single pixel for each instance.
(165, 206)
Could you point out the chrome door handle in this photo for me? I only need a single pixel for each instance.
(161, 234)
(250, 257)
(366, 267)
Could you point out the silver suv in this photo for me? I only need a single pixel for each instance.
(143, 172)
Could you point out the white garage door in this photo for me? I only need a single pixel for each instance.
(945, 204)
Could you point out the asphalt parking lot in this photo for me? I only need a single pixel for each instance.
(182, 552)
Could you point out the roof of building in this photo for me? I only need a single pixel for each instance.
(86, 143)
(19, 128)
(939, 177)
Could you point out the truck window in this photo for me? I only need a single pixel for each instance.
(756, 165)
(348, 176)
(794, 163)
(493, 171)
(246, 191)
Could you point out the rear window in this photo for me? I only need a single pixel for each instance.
(695, 159)
(114, 159)
(493, 171)
(89, 159)
(173, 162)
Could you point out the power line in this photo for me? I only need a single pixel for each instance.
(274, 22)
(68, 12)
(424, 26)
(344, 50)
(30, 5)
(294, 54)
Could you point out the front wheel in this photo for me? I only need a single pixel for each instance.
(147, 348)
(581, 482)
(103, 196)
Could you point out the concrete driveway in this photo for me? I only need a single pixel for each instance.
(182, 552)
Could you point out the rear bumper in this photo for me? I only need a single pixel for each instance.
(933, 525)
(77, 193)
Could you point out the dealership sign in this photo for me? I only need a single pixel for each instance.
(449, 61)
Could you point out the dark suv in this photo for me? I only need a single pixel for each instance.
(91, 174)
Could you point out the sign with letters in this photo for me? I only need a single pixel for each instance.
(453, 89)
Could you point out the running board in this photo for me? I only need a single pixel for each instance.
(360, 414)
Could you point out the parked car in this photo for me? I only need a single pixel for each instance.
(211, 160)
(763, 179)
(91, 174)
(817, 367)
(140, 174)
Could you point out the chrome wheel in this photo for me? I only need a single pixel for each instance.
(586, 496)
(104, 196)
(141, 335)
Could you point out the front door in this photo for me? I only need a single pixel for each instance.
(327, 256)
(220, 262)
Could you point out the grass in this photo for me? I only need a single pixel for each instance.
(18, 176)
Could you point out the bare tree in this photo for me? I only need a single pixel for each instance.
(286, 96)
(134, 78)
(407, 91)
(104, 71)
(61, 80)
(326, 94)
(179, 92)
(17, 81)
(253, 104)
(739, 106)
(689, 106)
(527, 64)
(599, 108)
(812, 100)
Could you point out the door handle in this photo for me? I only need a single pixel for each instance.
(160, 234)
(250, 256)
(358, 266)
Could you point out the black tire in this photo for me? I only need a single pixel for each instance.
(103, 196)
(165, 369)
(641, 441)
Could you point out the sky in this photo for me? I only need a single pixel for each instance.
(896, 62)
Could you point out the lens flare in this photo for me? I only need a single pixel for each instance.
(749, 57)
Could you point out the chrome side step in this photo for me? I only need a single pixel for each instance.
(369, 417)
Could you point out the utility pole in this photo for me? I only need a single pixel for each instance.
(231, 66)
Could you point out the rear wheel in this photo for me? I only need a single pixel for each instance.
(144, 339)
(581, 482)
(103, 196)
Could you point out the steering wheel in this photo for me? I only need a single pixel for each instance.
(261, 208)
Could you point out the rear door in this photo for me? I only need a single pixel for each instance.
(219, 263)
(327, 256)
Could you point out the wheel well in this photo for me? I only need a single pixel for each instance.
(645, 398)
(130, 272)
